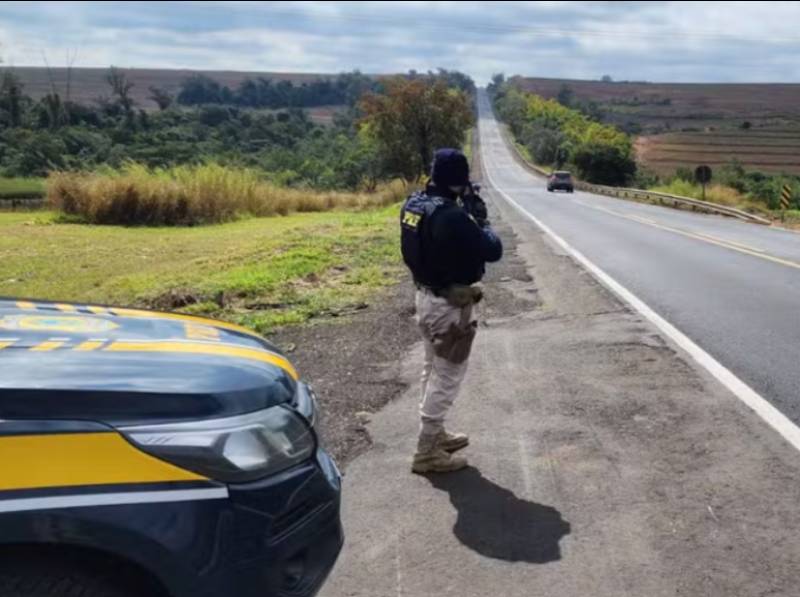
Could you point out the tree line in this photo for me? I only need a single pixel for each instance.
(387, 128)
(343, 89)
(557, 135)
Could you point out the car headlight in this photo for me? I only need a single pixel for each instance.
(306, 403)
(233, 449)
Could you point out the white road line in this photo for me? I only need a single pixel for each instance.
(771, 415)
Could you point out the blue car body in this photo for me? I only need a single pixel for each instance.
(78, 383)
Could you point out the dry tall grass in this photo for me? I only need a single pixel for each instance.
(715, 193)
(190, 195)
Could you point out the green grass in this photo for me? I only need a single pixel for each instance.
(260, 272)
(21, 188)
(790, 218)
(524, 152)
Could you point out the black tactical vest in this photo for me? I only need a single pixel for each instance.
(417, 209)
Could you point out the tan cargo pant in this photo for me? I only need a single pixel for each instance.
(448, 332)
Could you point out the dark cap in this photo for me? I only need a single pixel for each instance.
(450, 168)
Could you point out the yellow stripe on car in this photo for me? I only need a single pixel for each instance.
(141, 313)
(89, 345)
(253, 354)
(144, 314)
(80, 459)
(200, 332)
(48, 345)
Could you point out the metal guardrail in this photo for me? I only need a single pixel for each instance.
(626, 193)
(707, 206)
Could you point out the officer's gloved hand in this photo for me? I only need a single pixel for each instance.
(479, 211)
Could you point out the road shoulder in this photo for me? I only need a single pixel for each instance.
(603, 462)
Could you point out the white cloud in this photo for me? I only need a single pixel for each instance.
(682, 41)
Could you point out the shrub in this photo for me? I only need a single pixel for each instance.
(553, 132)
(193, 194)
(604, 164)
(645, 179)
(685, 174)
(715, 193)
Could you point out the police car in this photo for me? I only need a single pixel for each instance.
(147, 454)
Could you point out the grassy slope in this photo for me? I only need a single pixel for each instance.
(262, 272)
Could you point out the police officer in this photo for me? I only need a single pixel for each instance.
(446, 242)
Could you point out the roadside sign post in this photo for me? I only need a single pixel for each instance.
(786, 196)
(702, 174)
(786, 200)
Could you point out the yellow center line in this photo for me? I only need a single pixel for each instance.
(637, 219)
(66, 308)
(730, 242)
(702, 237)
(27, 305)
(5, 343)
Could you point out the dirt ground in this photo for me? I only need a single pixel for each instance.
(354, 363)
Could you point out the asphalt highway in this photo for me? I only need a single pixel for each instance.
(732, 287)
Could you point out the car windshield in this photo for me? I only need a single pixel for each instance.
(562, 175)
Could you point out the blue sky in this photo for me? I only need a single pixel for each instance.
(656, 41)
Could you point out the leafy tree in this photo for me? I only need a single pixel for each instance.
(566, 97)
(120, 88)
(414, 118)
(543, 143)
(498, 79)
(51, 114)
(287, 146)
(199, 89)
(161, 97)
(513, 109)
(556, 134)
(603, 164)
(11, 98)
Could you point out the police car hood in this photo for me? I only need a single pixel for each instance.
(128, 366)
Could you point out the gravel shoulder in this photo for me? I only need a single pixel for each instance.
(355, 363)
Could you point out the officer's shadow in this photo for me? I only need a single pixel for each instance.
(497, 524)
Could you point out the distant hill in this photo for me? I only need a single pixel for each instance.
(682, 104)
(87, 84)
(686, 124)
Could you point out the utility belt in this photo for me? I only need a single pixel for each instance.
(456, 295)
